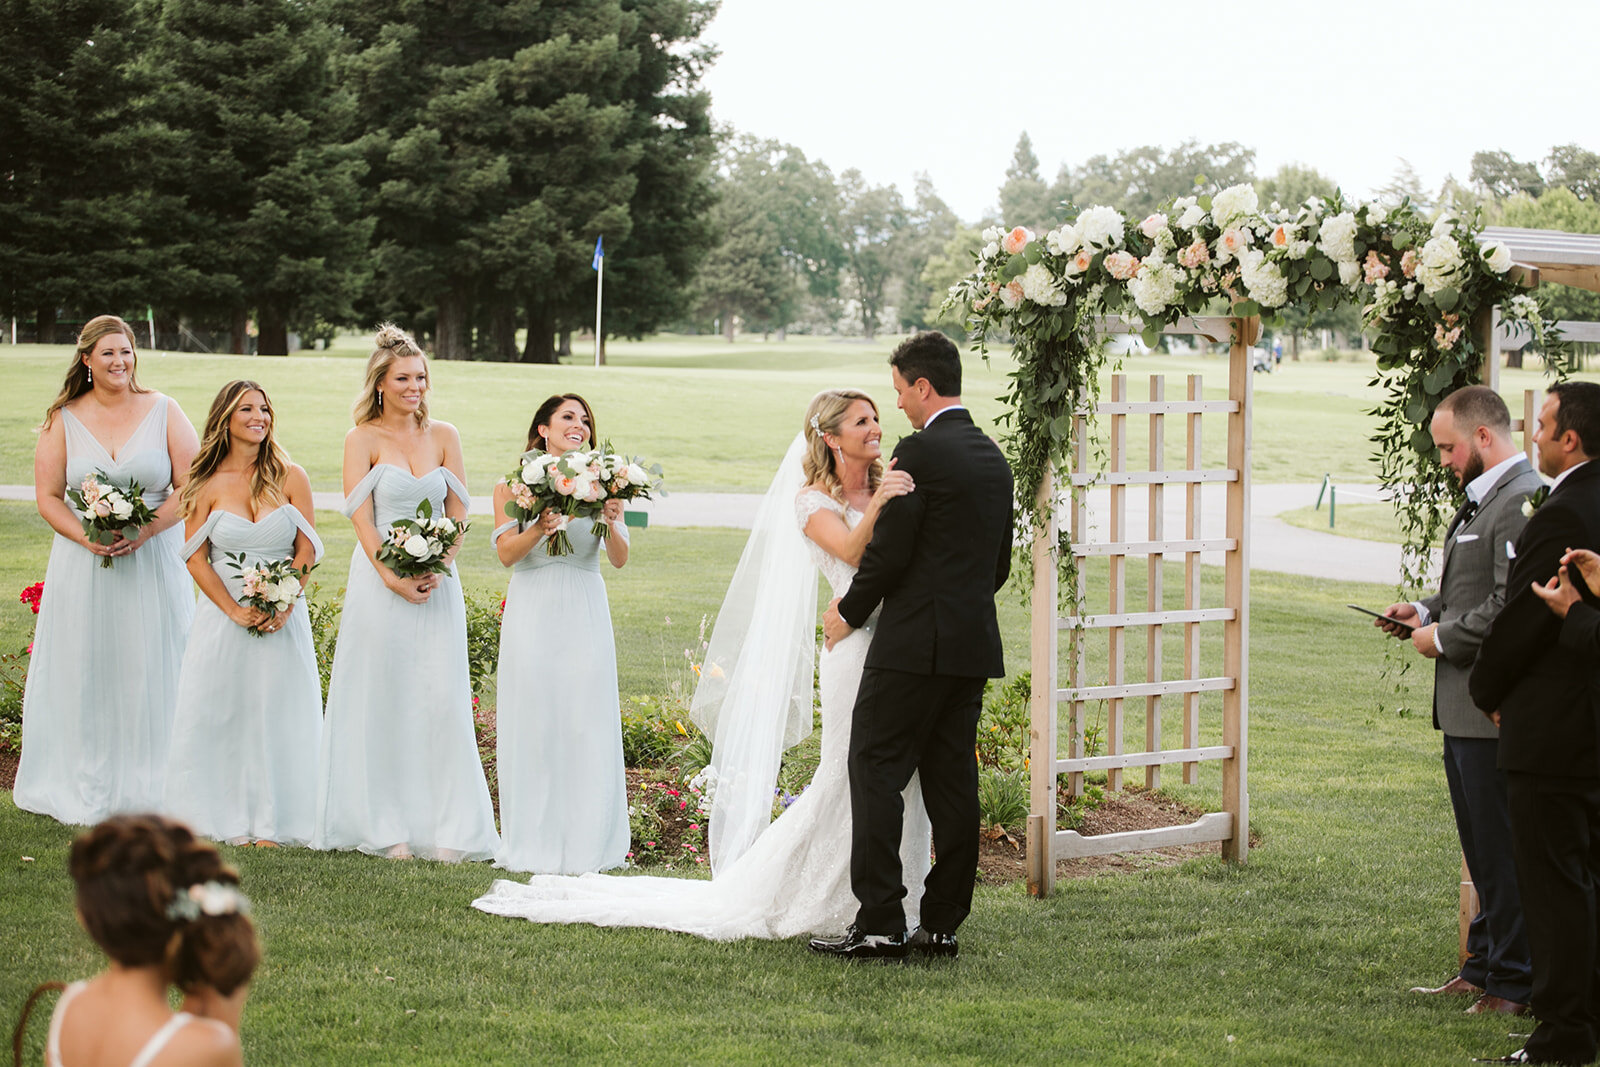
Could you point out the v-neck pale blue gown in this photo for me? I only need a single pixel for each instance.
(400, 770)
(103, 677)
(248, 727)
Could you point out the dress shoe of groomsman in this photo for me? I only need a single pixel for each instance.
(855, 945)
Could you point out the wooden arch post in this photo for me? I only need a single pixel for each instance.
(1229, 827)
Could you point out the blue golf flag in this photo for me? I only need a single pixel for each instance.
(599, 252)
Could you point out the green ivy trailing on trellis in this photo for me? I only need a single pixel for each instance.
(1420, 283)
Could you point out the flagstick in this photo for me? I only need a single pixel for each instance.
(599, 290)
(150, 317)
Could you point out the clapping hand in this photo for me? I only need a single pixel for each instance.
(1560, 593)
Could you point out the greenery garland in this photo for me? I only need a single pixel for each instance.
(1421, 284)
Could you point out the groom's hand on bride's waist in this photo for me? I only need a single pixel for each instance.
(834, 628)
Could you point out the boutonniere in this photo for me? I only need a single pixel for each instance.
(1530, 505)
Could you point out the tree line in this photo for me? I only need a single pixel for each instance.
(300, 165)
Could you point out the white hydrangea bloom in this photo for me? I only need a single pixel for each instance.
(1438, 263)
(1039, 285)
(1100, 227)
(1155, 287)
(1262, 279)
(1234, 202)
(1338, 237)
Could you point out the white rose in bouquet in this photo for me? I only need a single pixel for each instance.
(289, 588)
(636, 474)
(416, 546)
(435, 547)
(122, 507)
(447, 525)
(101, 507)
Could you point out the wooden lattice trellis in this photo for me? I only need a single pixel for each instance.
(1230, 826)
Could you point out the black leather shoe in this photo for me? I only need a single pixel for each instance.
(924, 942)
(855, 945)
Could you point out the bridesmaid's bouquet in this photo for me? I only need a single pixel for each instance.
(575, 484)
(109, 510)
(271, 586)
(418, 546)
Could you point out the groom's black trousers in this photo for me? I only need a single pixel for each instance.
(904, 723)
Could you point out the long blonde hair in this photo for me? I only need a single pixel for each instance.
(77, 381)
(272, 462)
(392, 343)
(824, 414)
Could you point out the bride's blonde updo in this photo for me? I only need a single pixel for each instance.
(824, 415)
(390, 343)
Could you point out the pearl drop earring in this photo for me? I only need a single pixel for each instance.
(88, 374)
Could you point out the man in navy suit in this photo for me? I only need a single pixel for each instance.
(936, 559)
(1546, 699)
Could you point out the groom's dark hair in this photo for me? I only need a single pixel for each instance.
(929, 354)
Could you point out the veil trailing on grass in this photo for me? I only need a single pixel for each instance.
(755, 695)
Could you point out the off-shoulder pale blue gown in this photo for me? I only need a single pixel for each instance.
(400, 766)
(103, 677)
(246, 734)
(558, 724)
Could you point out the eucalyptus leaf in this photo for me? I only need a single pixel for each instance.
(1321, 268)
(1016, 265)
(1447, 298)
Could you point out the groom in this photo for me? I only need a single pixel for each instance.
(936, 559)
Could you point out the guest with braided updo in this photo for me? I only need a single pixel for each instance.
(167, 911)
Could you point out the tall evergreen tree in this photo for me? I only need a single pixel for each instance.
(1024, 197)
(71, 157)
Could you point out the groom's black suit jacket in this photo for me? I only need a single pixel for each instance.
(1546, 694)
(938, 555)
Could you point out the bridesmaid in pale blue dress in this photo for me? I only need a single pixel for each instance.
(563, 795)
(248, 725)
(103, 676)
(400, 774)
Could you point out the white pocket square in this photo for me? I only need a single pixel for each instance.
(1511, 550)
(1462, 539)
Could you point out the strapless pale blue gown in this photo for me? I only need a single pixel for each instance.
(563, 795)
(248, 727)
(400, 766)
(103, 677)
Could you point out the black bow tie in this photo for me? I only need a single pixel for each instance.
(1469, 509)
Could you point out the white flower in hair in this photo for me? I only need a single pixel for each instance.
(209, 898)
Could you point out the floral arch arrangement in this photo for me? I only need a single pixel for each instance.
(1422, 285)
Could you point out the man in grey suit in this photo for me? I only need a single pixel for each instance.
(1472, 430)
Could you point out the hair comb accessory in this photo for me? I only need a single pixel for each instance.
(209, 898)
(816, 425)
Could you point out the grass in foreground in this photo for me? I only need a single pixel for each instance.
(1301, 956)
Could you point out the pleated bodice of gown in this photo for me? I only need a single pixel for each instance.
(400, 767)
(563, 791)
(103, 677)
(248, 726)
(795, 878)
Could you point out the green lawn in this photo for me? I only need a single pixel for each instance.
(717, 416)
(1301, 956)
(1370, 521)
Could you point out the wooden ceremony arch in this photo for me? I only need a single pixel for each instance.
(1230, 826)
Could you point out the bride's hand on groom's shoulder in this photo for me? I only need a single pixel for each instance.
(895, 483)
(834, 628)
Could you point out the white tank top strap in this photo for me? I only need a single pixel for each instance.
(52, 1045)
(159, 1039)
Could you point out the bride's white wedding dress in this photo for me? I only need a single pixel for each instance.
(795, 877)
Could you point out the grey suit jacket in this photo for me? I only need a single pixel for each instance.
(1471, 592)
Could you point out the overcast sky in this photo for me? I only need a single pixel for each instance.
(894, 87)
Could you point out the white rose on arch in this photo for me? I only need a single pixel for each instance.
(1063, 242)
(1497, 255)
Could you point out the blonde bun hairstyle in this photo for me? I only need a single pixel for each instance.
(389, 344)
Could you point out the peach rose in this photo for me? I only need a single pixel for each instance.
(1016, 240)
(1122, 265)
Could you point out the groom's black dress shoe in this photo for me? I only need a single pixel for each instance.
(855, 945)
(924, 942)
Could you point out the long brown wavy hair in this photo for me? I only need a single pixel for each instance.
(825, 414)
(391, 343)
(77, 381)
(272, 462)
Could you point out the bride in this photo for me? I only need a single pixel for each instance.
(755, 700)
